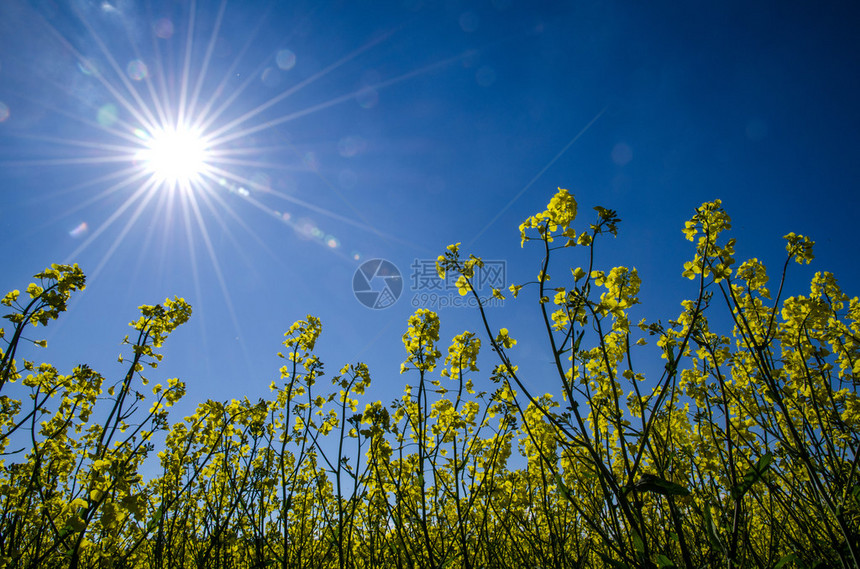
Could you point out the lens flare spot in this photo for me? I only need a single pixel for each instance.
(137, 70)
(286, 59)
(270, 77)
(350, 146)
(485, 76)
(107, 115)
(332, 242)
(80, 230)
(367, 97)
(261, 181)
(622, 154)
(87, 67)
(163, 28)
(469, 21)
(175, 155)
(306, 229)
(311, 161)
(4, 111)
(470, 59)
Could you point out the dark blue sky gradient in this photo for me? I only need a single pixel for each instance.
(441, 114)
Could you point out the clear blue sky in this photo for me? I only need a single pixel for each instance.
(348, 131)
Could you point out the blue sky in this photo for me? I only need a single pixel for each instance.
(348, 131)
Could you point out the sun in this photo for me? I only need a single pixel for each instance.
(175, 156)
(180, 128)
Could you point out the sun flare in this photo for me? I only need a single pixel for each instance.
(175, 155)
(178, 130)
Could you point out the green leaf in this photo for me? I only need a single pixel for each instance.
(612, 562)
(578, 341)
(76, 523)
(663, 561)
(652, 483)
(785, 559)
(753, 475)
(565, 491)
(713, 535)
(156, 519)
